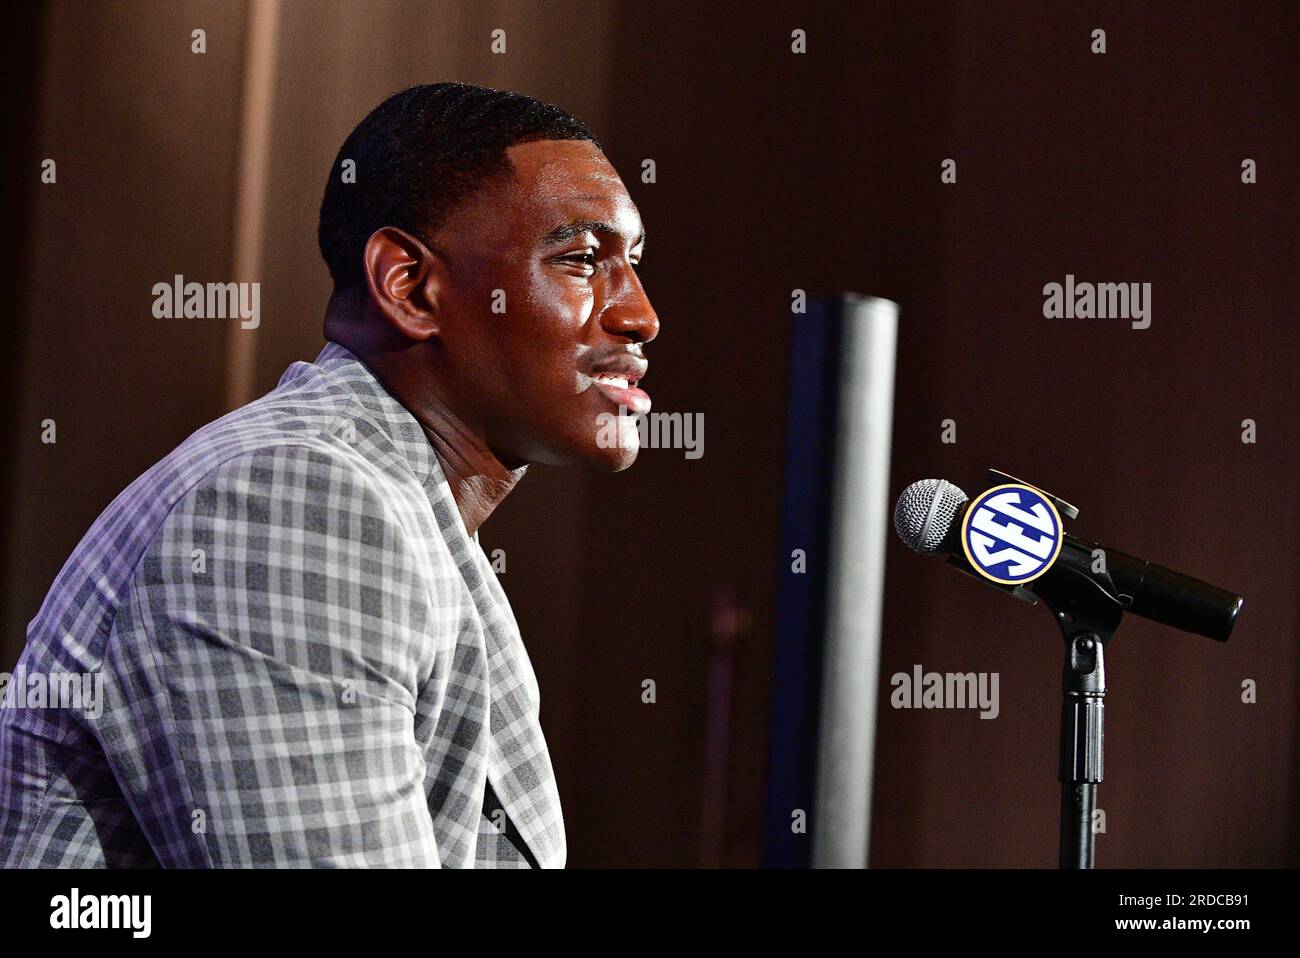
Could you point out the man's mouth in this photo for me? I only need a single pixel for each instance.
(622, 389)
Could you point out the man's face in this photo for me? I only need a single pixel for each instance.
(544, 314)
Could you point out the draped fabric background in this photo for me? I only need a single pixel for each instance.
(774, 171)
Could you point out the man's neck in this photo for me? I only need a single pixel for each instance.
(479, 481)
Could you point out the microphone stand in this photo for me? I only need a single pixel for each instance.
(1088, 615)
(1088, 608)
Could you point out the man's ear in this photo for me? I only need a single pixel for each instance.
(404, 277)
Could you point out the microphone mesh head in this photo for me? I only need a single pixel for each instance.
(924, 514)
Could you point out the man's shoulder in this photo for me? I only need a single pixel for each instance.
(312, 444)
(308, 475)
(308, 439)
(296, 416)
(314, 456)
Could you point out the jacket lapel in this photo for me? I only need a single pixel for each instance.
(518, 766)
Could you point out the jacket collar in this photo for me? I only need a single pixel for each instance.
(396, 420)
(519, 765)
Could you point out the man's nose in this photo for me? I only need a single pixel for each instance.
(631, 317)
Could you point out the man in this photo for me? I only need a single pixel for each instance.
(306, 658)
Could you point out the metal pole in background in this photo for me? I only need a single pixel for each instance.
(859, 522)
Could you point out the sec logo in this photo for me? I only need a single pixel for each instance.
(1012, 534)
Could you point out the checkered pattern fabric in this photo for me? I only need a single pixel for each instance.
(305, 661)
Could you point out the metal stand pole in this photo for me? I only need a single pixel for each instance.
(1082, 715)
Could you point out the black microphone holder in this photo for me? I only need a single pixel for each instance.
(1087, 615)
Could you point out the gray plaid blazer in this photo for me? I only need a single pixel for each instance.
(305, 661)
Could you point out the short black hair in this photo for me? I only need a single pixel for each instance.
(418, 154)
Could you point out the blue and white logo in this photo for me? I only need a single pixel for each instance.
(1012, 534)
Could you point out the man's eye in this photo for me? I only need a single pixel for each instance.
(589, 259)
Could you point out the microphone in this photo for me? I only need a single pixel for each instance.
(928, 518)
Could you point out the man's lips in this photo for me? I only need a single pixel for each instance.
(617, 378)
(637, 401)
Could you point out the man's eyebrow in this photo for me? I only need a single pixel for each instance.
(562, 234)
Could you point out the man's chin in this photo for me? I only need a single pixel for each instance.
(586, 455)
(613, 459)
(617, 441)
